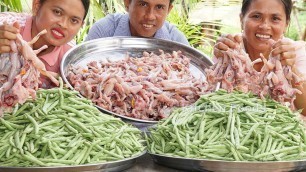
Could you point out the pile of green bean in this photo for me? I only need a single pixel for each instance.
(231, 127)
(59, 128)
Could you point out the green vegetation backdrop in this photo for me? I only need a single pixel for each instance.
(201, 35)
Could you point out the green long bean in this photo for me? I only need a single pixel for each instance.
(232, 127)
(59, 128)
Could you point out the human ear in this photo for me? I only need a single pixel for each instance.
(126, 4)
(170, 8)
(35, 7)
(287, 24)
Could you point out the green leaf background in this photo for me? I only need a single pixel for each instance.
(201, 36)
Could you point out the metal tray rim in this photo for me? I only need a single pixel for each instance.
(190, 164)
(210, 160)
(126, 160)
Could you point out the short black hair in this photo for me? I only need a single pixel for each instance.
(85, 3)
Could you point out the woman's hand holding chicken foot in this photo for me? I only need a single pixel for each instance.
(286, 50)
(225, 42)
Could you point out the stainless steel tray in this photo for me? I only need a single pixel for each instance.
(116, 48)
(228, 166)
(105, 167)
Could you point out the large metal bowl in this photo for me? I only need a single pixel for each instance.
(116, 48)
(190, 164)
(112, 166)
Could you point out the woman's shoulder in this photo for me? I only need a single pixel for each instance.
(11, 17)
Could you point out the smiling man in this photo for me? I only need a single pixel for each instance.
(145, 18)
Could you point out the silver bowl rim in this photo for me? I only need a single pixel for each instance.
(76, 166)
(221, 161)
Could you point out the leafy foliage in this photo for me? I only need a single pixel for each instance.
(11, 5)
(201, 36)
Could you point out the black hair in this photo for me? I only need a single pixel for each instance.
(85, 3)
(287, 6)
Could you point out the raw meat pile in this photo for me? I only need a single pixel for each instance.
(19, 73)
(144, 88)
(235, 71)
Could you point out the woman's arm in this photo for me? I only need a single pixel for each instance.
(300, 65)
(300, 101)
(293, 53)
